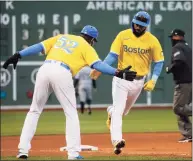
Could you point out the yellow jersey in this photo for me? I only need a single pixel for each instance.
(138, 52)
(72, 50)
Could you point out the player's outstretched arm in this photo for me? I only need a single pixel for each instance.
(149, 86)
(126, 73)
(110, 59)
(32, 50)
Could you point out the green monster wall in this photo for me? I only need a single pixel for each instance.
(27, 23)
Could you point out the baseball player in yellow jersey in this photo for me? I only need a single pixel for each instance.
(65, 55)
(138, 48)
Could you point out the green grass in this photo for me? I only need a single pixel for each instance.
(105, 158)
(53, 122)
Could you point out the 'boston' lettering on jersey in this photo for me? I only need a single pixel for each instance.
(135, 50)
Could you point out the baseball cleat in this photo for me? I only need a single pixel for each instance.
(22, 156)
(108, 122)
(185, 140)
(118, 146)
(75, 158)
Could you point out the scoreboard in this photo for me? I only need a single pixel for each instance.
(24, 23)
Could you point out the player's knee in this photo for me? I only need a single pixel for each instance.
(34, 108)
(35, 111)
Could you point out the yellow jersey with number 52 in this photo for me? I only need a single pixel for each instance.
(138, 52)
(72, 50)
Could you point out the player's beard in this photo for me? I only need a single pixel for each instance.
(92, 42)
(138, 33)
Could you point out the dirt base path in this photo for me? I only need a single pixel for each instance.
(151, 144)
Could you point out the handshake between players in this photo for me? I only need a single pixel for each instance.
(126, 74)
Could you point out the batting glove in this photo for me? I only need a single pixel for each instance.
(94, 74)
(126, 74)
(149, 85)
(12, 60)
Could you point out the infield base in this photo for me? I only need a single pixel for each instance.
(83, 148)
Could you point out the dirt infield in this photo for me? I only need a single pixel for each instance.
(151, 144)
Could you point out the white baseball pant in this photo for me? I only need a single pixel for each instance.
(124, 93)
(52, 77)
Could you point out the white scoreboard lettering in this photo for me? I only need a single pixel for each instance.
(4, 19)
(25, 34)
(40, 34)
(5, 77)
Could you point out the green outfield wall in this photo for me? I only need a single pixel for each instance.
(24, 23)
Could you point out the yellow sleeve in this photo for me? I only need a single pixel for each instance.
(90, 56)
(116, 45)
(49, 43)
(157, 52)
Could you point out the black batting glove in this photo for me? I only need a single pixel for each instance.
(126, 74)
(12, 60)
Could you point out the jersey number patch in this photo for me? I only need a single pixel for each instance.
(66, 44)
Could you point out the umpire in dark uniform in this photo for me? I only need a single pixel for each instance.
(181, 68)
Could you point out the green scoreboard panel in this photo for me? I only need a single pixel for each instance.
(24, 23)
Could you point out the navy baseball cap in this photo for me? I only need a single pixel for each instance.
(177, 32)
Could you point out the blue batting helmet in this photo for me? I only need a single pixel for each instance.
(90, 31)
(142, 18)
